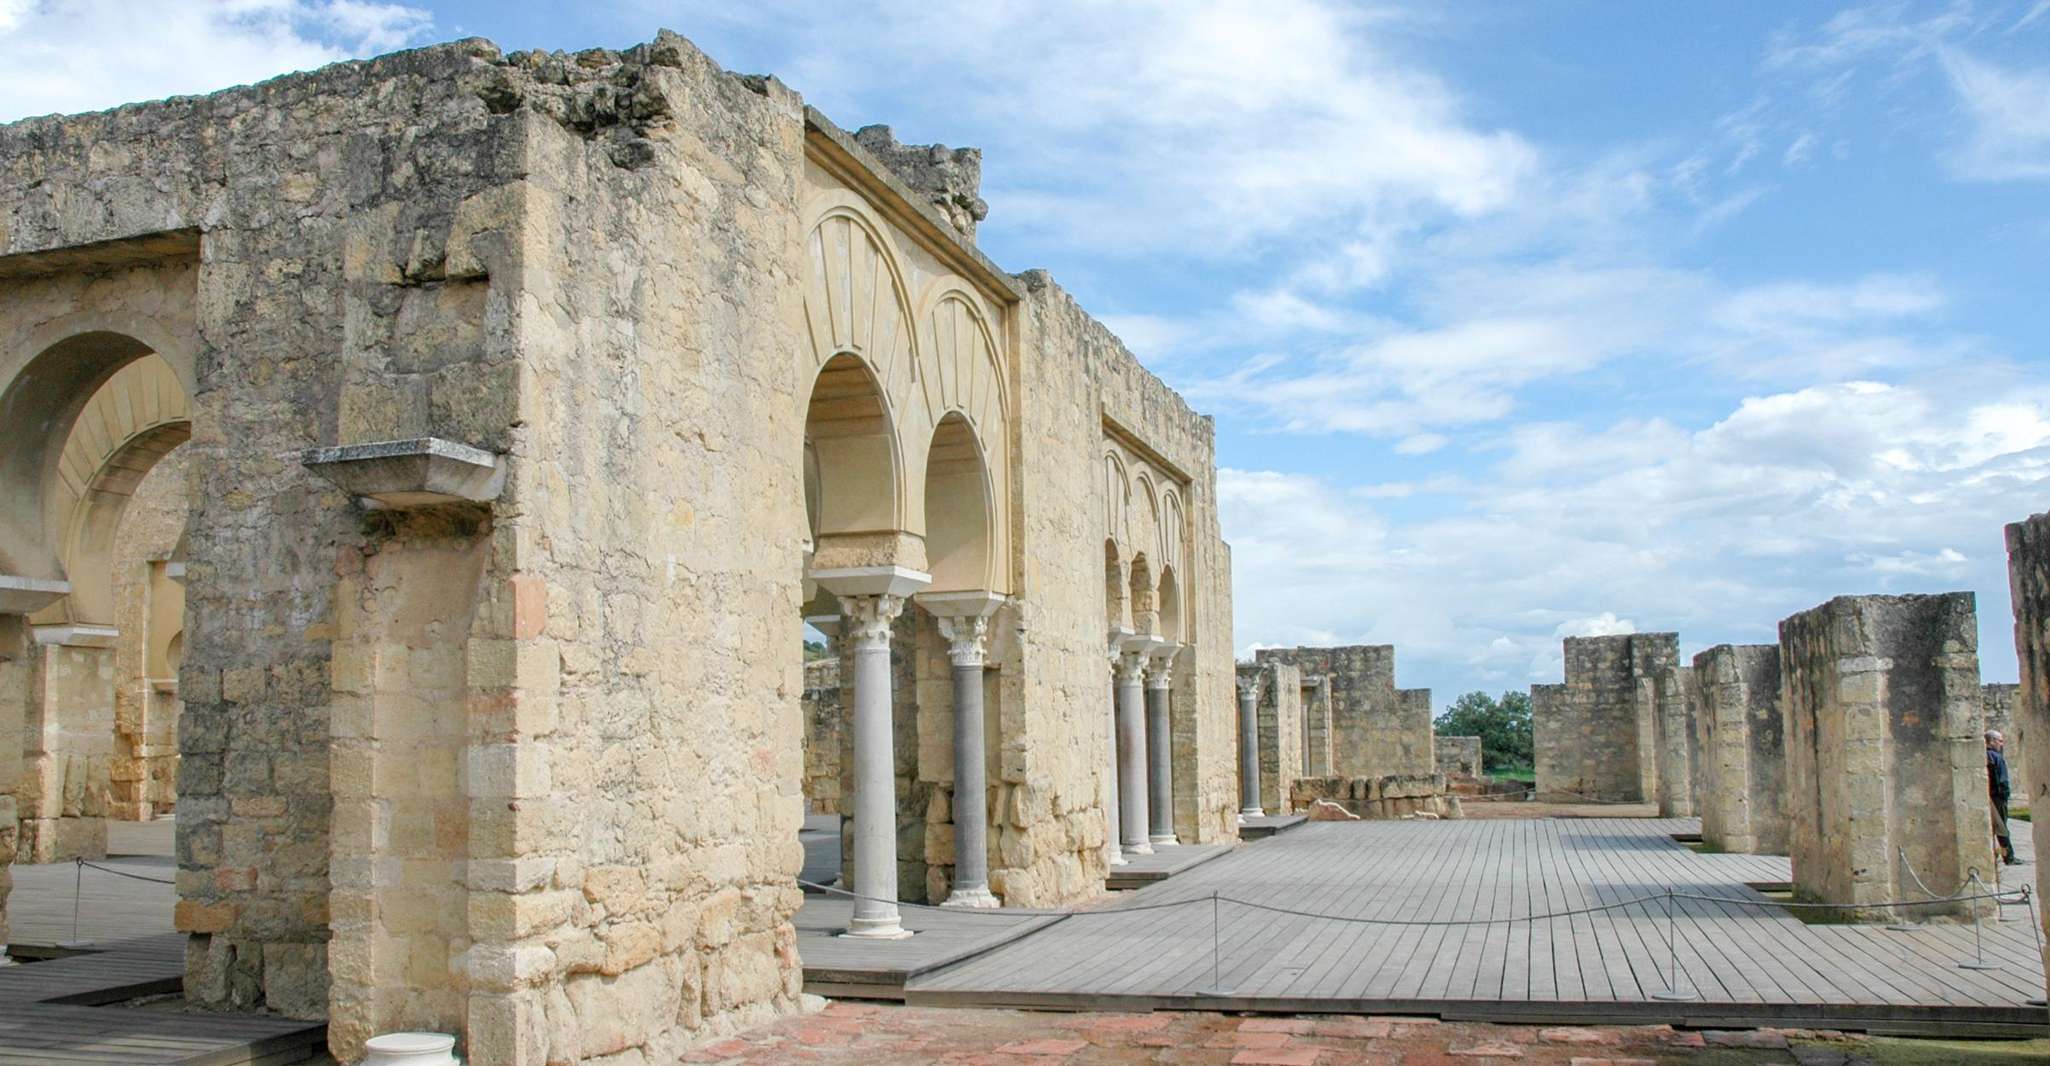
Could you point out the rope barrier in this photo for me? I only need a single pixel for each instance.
(124, 873)
(2019, 895)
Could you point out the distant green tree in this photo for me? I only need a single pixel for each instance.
(1503, 726)
(814, 650)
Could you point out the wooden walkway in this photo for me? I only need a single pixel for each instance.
(835, 965)
(82, 1005)
(1745, 964)
(1167, 861)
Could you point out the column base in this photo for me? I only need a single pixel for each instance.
(978, 898)
(1143, 847)
(1167, 839)
(1251, 812)
(876, 929)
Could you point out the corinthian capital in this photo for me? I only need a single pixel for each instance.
(865, 620)
(967, 638)
(1160, 665)
(1131, 666)
(1249, 686)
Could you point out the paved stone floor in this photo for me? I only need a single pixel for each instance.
(876, 1035)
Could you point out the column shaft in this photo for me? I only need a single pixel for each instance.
(1160, 794)
(1249, 750)
(875, 771)
(1132, 816)
(971, 778)
(1116, 850)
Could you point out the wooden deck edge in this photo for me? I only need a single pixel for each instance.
(1141, 878)
(1940, 1021)
(264, 1050)
(109, 994)
(894, 977)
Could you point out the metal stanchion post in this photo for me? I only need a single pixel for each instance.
(1216, 979)
(1978, 944)
(77, 890)
(1672, 992)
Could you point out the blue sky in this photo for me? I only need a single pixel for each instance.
(1516, 322)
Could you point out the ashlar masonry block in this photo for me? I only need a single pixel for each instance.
(1596, 735)
(1741, 786)
(1885, 771)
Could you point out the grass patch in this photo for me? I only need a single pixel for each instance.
(1701, 847)
(1811, 915)
(1528, 777)
(2021, 815)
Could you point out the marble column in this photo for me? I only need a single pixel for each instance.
(1114, 850)
(964, 622)
(871, 598)
(1132, 819)
(1159, 754)
(1249, 749)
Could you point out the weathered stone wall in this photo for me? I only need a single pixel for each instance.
(825, 734)
(950, 179)
(1376, 798)
(1596, 735)
(533, 771)
(2028, 576)
(2000, 705)
(1881, 702)
(1088, 393)
(1279, 705)
(1675, 739)
(1741, 788)
(1374, 729)
(1458, 756)
(14, 688)
(148, 602)
(68, 748)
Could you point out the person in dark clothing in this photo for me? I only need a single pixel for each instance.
(1998, 786)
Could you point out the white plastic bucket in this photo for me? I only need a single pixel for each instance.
(411, 1049)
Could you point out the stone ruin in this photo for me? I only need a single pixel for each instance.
(526, 415)
(1597, 736)
(1741, 785)
(1277, 693)
(1372, 728)
(1458, 757)
(1885, 770)
(1377, 798)
(2028, 577)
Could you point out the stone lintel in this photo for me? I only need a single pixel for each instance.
(871, 580)
(1145, 644)
(27, 595)
(403, 474)
(77, 635)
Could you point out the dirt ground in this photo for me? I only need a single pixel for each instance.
(885, 1035)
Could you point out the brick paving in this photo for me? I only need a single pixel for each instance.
(862, 1034)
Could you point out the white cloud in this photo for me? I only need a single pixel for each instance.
(1124, 128)
(1718, 532)
(81, 55)
(2009, 109)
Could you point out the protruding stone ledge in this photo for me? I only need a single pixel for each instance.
(77, 635)
(27, 595)
(403, 474)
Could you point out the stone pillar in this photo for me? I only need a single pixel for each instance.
(68, 744)
(964, 622)
(1741, 790)
(1881, 702)
(1249, 748)
(1160, 793)
(2028, 578)
(1675, 752)
(1132, 820)
(867, 619)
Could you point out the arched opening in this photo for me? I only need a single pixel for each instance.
(1145, 614)
(957, 509)
(1169, 605)
(104, 494)
(1113, 587)
(850, 454)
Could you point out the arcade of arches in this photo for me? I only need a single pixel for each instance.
(447, 455)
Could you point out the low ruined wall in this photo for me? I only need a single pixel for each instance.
(1373, 728)
(1458, 756)
(1596, 735)
(1675, 733)
(1281, 738)
(825, 734)
(2028, 576)
(1741, 789)
(1372, 798)
(1883, 751)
